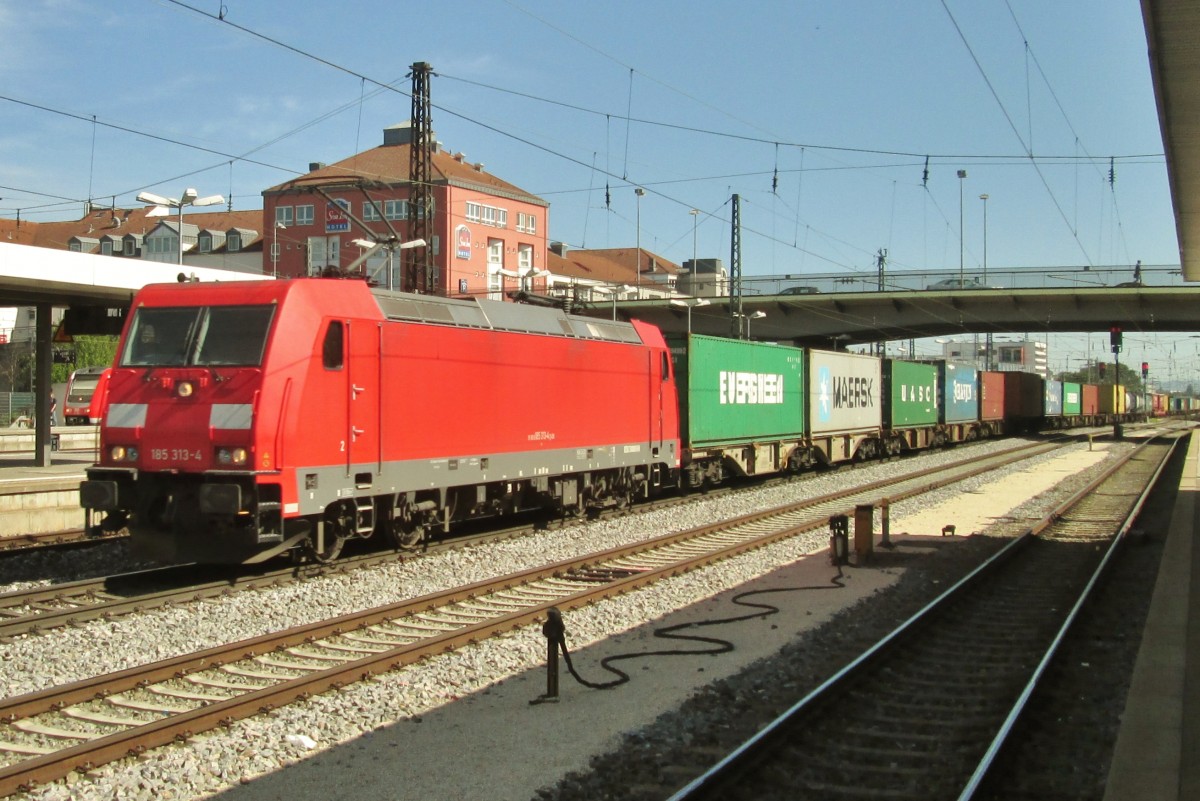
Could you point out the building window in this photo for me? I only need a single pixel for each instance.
(304, 215)
(205, 243)
(487, 215)
(129, 248)
(526, 223)
(233, 243)
(283, 214)
(495, 263)
(75, 247)
(106, 248)
(372, 211)
(524, 258)
(395, 209)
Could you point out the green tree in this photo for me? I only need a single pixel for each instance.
(1130, 378)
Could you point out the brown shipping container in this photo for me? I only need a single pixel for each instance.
(991, 395)
(1091, 399)
(1112, 399)
(1022, 395)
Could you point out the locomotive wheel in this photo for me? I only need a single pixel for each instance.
(339, 525)
(405, 532)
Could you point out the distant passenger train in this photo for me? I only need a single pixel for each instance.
(246, 420)
(82, 386)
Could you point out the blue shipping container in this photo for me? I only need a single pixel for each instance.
(1054, 399)
(959, 386)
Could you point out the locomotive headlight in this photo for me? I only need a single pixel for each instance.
(231, 456)
(185, 389)
(121, 453)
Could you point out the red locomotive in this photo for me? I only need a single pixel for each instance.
(247, 419)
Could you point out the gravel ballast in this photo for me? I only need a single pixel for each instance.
(427, 731)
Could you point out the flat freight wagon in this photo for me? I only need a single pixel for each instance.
(1023, 400)
(742, 407)
(958, 401)
(991, 403)
(845, 407)
(1072, 403)
(910, 407)
(1112, 399)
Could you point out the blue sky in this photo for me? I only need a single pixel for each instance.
(819, 115)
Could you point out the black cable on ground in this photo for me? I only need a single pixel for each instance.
(719, 646)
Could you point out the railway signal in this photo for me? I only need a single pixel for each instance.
(1145, 370)
(1114, 338)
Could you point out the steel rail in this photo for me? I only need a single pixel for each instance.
(41, 608)
(718, 775)
(556, 590)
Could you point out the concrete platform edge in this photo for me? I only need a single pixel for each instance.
(1161, 709)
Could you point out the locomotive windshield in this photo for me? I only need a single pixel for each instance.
(207, 336)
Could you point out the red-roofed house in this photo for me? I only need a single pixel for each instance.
(488, 234)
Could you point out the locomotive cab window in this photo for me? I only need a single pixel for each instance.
(331, 351)
(198, 335)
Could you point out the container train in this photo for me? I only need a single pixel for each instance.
(244, 421)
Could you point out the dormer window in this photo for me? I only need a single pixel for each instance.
(233, 242)
(205, 242)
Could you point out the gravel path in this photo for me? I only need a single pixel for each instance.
(407, 722)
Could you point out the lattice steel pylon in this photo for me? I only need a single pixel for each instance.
(421, 275)
(738, 320)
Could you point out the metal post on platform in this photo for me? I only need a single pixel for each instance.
(864, 532)
(554, 631)
(885, 521)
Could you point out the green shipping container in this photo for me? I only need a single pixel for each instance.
(738, 391)
(1072, 399)
(911, 390)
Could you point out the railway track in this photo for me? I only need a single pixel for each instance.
(923, 713)
(49, 733)
(66, 604)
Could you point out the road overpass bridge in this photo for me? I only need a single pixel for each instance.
(825, 320)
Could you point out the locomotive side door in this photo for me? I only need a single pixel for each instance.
(363, 404)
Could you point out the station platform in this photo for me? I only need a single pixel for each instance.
(1155, 755)
(43, 499)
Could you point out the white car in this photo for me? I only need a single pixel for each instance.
(960, 283)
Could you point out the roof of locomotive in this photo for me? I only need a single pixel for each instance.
(356, 298)
(499, 315)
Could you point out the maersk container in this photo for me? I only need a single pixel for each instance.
(959, 388)
(1052, 405)
(1072, 398)
(910, 394)
(991, 395)
(1022, 395)
(844, 392)
(738, 391)
(1112, 399)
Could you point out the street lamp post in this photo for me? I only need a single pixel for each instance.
(961, 175)
(637, 269)
(987, 343)
(695, 218)
(745, 326)
(688, 306)
(275, 248)
(189, 198)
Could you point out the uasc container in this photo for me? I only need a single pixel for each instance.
(910, 393)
